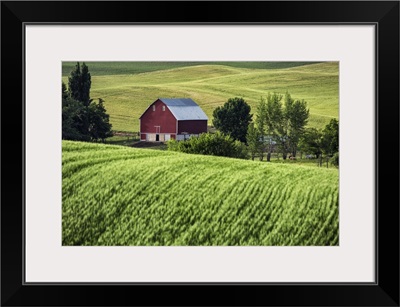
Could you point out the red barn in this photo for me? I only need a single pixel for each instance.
(172, 118)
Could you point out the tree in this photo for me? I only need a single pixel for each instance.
(86, 83)
(74, 83)
(64, 92)
(310, 142)
(275, 125)
(79, 83)
(73, 118)
(325, 142)
(233, 118)
(330, 137)
(99, 127)
(253, 140)
(261, 127)
(83, 119)
(297, 117)
(284, 122)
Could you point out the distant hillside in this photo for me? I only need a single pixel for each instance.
(127, 95)
(131, 68)
(114, 195)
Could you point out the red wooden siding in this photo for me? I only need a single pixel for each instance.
(192, 126)
(164, 119)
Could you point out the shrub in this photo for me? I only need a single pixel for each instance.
(172, 145)
(214, 144)
(241, 150)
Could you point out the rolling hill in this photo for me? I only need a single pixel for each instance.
(128, 88)
(114, 195)
(131, 68)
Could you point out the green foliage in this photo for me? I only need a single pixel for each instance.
(74, 83)
(233, 118)
(261, 117)
(283, 123)
(254, 140)
(74, 118)
(214, 144)
(115, 195)
(64, 92)
(71, 115)
(310, 142)
(276, 123)
(82, 118)
(330, 137)
(85, 84)
(240, 150)
(79, 83)
(297, 116)
(99, 127)
(262, 129)
(335, 159)
(322, 142)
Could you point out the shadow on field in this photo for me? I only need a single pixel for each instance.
(150, 145)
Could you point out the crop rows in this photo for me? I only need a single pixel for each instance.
(115, 195)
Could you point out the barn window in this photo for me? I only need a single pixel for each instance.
(154, 107)
(163, 108)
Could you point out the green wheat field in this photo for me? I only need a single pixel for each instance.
(114, 195)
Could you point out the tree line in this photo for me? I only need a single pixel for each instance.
(280, 126)
(83, 119)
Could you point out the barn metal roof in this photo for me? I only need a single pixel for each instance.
(184, 109)
(179, 102)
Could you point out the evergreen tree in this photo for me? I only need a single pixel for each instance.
(79, 83)
(74, 121)
(74, 83)
(83, 119)
(86, 83)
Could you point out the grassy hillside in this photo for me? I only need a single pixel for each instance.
(114, 195)
(129, 93)
(131, 68)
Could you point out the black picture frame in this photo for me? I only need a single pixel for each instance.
(383, 14)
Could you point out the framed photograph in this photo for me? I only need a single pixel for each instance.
(152, 159)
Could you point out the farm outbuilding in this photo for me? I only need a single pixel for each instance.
(172, 118)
